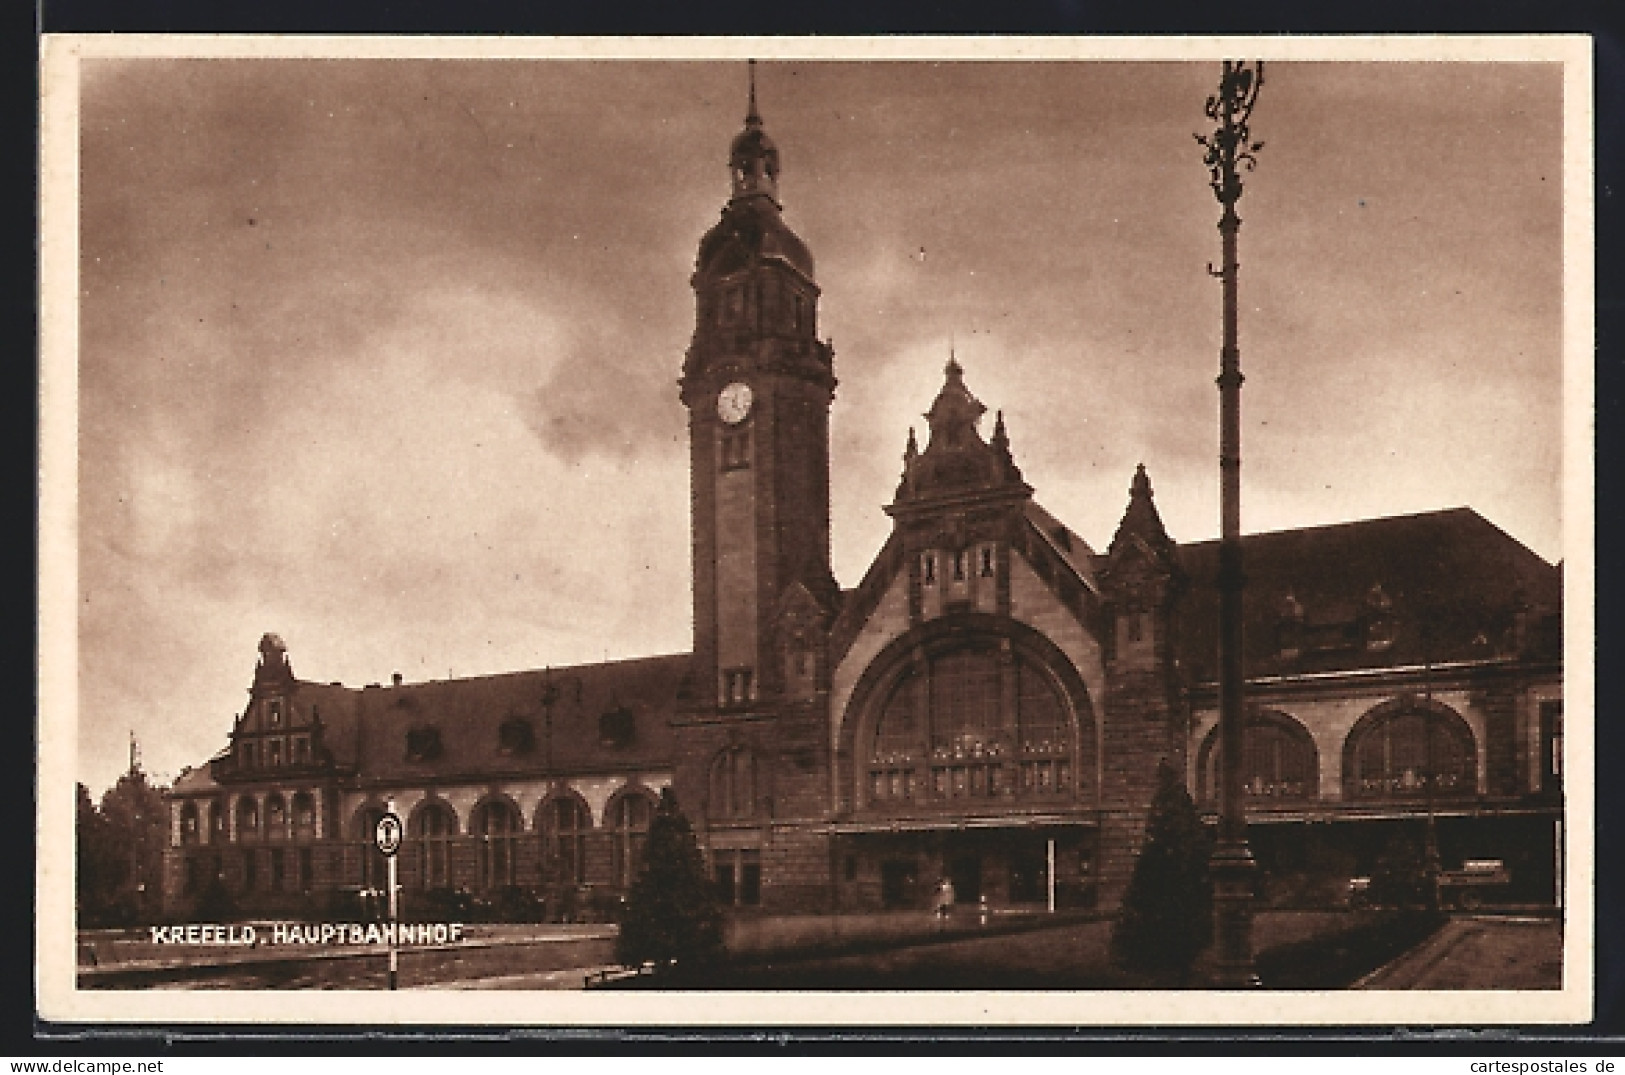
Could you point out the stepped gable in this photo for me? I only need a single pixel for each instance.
(1356, 595)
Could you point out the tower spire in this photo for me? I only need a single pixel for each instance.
(753, 158)
(752, 117)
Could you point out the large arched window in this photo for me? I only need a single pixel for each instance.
(374, 867)
(1279, 762)
(276, 817)
(733, 784)
(629, 817)
(1401, 750)
(496, 826)
(433, 826)
(248, 818)
(977, 722)
(565, 822)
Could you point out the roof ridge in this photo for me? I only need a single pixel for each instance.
(1461, 509)
(545, 669)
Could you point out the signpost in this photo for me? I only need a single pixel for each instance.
(387, 836)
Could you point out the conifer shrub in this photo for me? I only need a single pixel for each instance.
(671, 918)
(1166, 918)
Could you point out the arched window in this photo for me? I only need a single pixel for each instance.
(496, 827)
(374, 867)
(1279, 761)
(304, 816)
(565, 822)
(629, 816)
(248, 818)
(432, 828)
(217, 821)
(189, 825)
(733, 784)
(276, 817)
(945, 734)
(1401, 752)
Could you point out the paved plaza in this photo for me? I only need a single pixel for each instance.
(1480, 952)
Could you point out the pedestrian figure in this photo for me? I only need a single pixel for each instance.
(945, 902)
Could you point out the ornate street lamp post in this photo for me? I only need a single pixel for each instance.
(1228, 150)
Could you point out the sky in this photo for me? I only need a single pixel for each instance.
(381, 355)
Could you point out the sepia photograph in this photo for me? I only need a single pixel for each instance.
(843, 530)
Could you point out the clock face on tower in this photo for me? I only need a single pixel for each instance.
(733, 403)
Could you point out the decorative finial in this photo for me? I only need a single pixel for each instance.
(1142, 482)
(913, 448)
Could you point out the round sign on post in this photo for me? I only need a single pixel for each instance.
(388, 834)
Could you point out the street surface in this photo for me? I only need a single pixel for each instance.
(1480, 952)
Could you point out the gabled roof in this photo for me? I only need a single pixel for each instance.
(193, 779)
(1451, 584)
(366, 728)
(1069, 545)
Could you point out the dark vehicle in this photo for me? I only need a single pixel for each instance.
(1479, 881)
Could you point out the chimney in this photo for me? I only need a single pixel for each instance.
(396, 677)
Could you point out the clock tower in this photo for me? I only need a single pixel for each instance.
(758, 384)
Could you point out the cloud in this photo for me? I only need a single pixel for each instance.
(383, 356)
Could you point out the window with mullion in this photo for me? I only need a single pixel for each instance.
(496, 825)
(565, 823)
(435, 829)
(629, 825)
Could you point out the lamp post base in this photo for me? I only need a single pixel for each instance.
(1232, 869)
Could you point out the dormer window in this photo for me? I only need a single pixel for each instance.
(617, 728)
(1289, 627)
(423, 743)
(516, 736)
(273, 712)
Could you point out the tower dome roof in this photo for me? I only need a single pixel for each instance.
(750, 229)
(747, 233)
(751, 143)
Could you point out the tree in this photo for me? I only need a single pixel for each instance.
(136, 819)
(1400, 878)
(96, 862)
(1167, 914)
(671, 917)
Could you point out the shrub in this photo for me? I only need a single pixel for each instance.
(670, 916)
(1167, 914)
(1400, 878)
